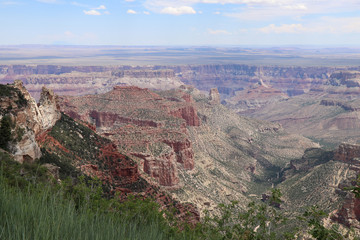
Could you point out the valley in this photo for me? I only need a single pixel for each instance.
(198, 135)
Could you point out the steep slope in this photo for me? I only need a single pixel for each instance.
(320, 178)
(144, 125)
(27, 119)
(329, 121)
(70, 149)
(236, 158)
(255, 97)
(189, 141)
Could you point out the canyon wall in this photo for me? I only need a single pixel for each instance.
(143, 124)
(228, 78)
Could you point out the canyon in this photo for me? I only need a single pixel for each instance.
(188, 143)
(215, 133)
(296, 97)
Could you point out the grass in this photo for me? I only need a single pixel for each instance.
(41, 209)
(34, 207)
(43, 214)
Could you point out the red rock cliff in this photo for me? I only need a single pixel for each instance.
(144, 124)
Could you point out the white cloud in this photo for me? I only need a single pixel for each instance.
(80, 4)
(295, 7)
(324, 25)
(101, 7)
(264, 9)
(146, 12)
(217, 13)
(283, 28)
(95, 11)
(130, 11)
(178, 10)
(92, 12)
(218, 32)
(129, 0)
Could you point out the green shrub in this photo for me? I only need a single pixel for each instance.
(5, 132)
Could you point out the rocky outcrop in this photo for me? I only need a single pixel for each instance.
(214, 96)
(31, 120)
(346, 106)
(121, 169)
(147, 125)
(348, 153)
(186, 110)
(49, 108)
(163, 168)
(255, 97)
(349, 214)
(349, 79)
(145, 73)
(72, 145)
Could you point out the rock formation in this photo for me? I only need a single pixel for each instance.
(147, 125)
(74, 147)
(255, 97)
(227, 78)
(30, 119)
(214, 96)
(348, 153)
(349, 213)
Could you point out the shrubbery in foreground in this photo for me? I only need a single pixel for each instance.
(34, 207)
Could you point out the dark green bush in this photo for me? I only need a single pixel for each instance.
(5, 132)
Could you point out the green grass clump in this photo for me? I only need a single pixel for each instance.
(44, 214)
(33, 207)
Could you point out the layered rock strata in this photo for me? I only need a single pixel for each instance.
(228, 78)
(142, 123)
(349, 213)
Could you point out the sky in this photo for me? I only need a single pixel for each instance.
(181, 22)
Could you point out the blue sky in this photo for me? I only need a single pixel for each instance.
(181, 22)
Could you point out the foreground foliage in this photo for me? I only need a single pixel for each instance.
(34, 206)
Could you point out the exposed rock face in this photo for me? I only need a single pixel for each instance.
(31, 120)
(230, 151)
(74, 146)
(312, 157)
(146, 73)
(346, 106)
(82, 80)
(48, 108)
(48, 69)
(347, 153)
(77, 145)
(214, 96)
(162, 168)
(349, 213)
(348, 78)
(150, 126)
(255, 97)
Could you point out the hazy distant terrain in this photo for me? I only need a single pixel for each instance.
(162, 55)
